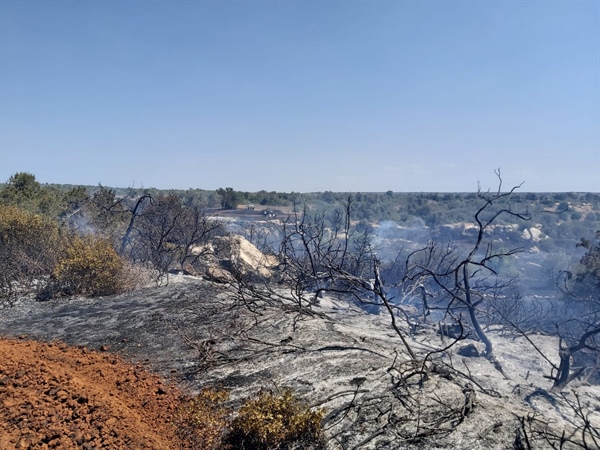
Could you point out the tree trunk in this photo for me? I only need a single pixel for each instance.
(564, 368)
(475, 321)
(473, 315)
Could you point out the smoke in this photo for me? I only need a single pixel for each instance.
(390, 239)
(80, 223)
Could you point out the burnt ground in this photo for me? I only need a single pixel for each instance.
(351, 364)
(145, 326)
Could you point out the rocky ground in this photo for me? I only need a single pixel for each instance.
(56, 396)
(337, 357)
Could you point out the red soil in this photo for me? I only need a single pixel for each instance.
(56, 396)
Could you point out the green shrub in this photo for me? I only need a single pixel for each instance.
(266, 421)
(277, 422)
(29, 247)
(91, 267)
(202, 421)
(27, 234)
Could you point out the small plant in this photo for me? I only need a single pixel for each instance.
(91, 267)
(201, 421)
(277, 422)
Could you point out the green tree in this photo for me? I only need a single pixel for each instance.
(73, 204)
(229, 198)
(23, 190)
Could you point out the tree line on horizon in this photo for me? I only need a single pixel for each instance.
(576, 212)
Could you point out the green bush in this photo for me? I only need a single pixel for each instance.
(277, 422)
(202, 421)
(91, 267)
(29, 247)
(267, 421)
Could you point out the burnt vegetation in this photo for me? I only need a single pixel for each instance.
(461, 285)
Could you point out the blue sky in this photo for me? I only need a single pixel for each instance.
(302, 96)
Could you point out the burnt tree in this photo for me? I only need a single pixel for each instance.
(467, 278)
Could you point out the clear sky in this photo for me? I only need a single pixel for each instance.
(302, 96)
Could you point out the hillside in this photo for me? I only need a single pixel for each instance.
(338, 357)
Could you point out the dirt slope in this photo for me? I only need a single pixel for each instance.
(56, 396)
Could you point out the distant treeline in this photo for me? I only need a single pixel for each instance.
(564, 217)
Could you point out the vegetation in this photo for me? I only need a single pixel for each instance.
(71, 241)
(166, 234)
(229, 198)
(589, 273)
(170, 230)
(91, 267)
(467, 280)
(277, 422)
(203, 420)
(579, 327)
(460, 281)
(30, 245)
(266, 421)
(563, 217)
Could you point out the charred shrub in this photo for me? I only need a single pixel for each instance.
(91, 267)
(277, 422)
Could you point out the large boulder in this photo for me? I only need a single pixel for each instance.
(241, 255)
(234, 253)
(219, 275)
(532, 234)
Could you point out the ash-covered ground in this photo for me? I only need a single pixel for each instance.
(336, 357)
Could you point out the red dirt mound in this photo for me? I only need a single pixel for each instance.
(56, 396)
